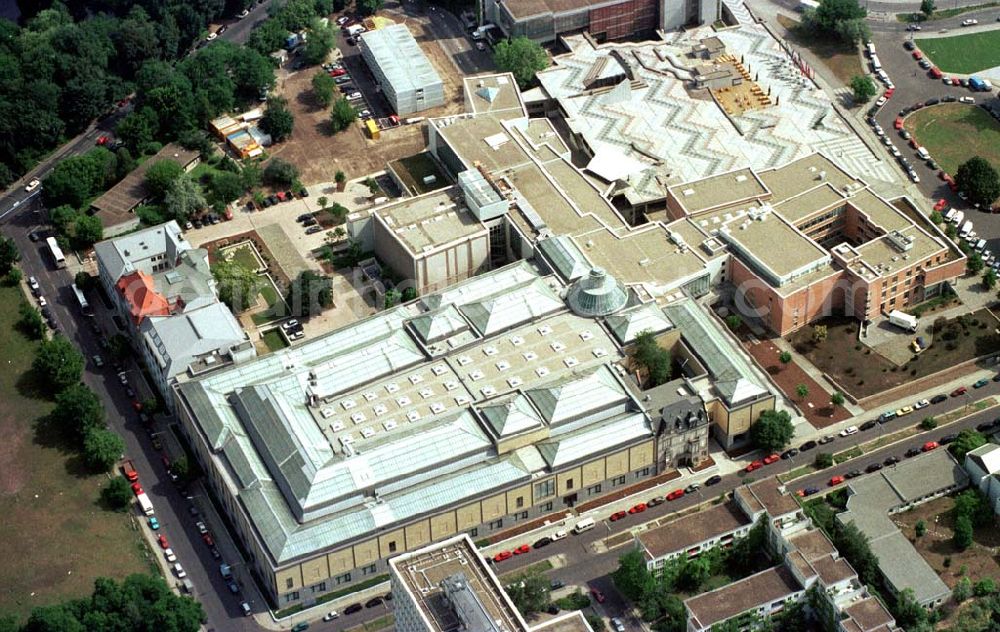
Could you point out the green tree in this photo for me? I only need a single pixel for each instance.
(772, 431)
(323, 87)
(928, 423)
(802, 391)
(950, 231)
(989, 278)
(322, 201)
(319, 44)
(936, 217)
(13, 277)
(9, 254)
(734, 321)
(973, 505)
(854, 546)
(392, 297)
(367, 7)
(975, 264)
(529, 591)
(838, 18)
(784, 357)
(183, 199)
(340, 178)
(747, 551)
(631, 578)
(920, 528)
(74, 180)
(522, 57)
(251, 175)
(309, 294)
(863, 88)
(181, 467)
(837, 399)
(824, 460)
(117, 494)
(984, 587)
(280, 173)
(102, 449)
(969, 439)
(161, 175)
(908, 611)
(87, 231)
(277, 120)
(83, 280)
(31, 322)
(977, 178)
(138, 129)
(225, 187)
(58, 363)
(238, 285)
(656, 360)
(927, 7)
(78, 410)
(342, 115)
(962, 536)
(962, 590)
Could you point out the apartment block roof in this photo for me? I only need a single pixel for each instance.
(724, 603)
(692, 530)
(868, 615)
(125, 254)
(140, 293)
(767, 495)
(177, 341)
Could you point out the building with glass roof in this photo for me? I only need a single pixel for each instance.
(471, 410)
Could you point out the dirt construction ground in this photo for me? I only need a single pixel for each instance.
(319, 155)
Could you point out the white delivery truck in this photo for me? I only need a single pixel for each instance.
(876, 64)
(145, 504)
(902, 319)
(966, 229)
(584, 525)
(923, 153)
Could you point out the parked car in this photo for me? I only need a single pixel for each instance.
(674, 495)
(948, 438)
(154, 524)
(874, 467)
(771, 458)
(692, 488)
(937, 399)
(981, 383)
(912, 452)
(641, 507)
(848, 431)
(892, 460)
(930, 445)
(618, 515)
(330, 616)
(808, 445)
(616, 623)
(787, 454)
(312, 230)
(31, 186)
(836, 480)
(354, 607)
(522, 549)
(754, 465)
(542, 542)
(598, 595)
(374, 602)
(868, 425)
(970, 22)
(713, 480)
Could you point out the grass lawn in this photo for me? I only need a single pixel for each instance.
(413, 169)
(268, 293)
(274, 341)
(841, 58)
(864, 372)
(955, 132)
(55, 539)
(245, 257)
(965, 54)
(943, 14)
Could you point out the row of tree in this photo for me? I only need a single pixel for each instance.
(139, 602)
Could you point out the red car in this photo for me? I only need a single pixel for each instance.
(136, 488)
(674, 495)
(951, 182)
(162, 539)
(930, 445)
(774, 458)
(521, 550)
(338, 72)
(598, 595)
(618, 515)
(935, 72)
(940, 204)
(137, 405)
(961, 390)
(756, 465)
(641, 507)
(836, 480)
(888, 93)
(918, 55)
(913, 143)
(103, 140)
(898, 123)
(502, 555)
(207, 538)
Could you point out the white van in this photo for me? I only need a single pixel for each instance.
(923, 153)
(980, 245)
(876, 64)
(950, 214)
(584, 525)
(871, 49)
(957, 219)
(966, 229)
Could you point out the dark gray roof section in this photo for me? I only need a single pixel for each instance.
(873, 496)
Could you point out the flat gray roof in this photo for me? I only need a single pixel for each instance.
(430, 220)
(738, 597)
(693, 529)
(873, 496)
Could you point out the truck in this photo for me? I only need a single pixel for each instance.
(902, 319)
(128, 469)
(807, 5)
(145, 504)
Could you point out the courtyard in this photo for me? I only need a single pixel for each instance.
(955, 132)
(863, 371)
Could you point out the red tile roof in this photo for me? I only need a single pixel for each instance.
(141, 295)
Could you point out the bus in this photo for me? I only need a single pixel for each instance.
(57, 254)
(82, 301)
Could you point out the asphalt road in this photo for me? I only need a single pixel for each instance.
(915, 85)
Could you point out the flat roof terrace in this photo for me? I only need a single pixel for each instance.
(492, 93)
(882, 254)
(691, 530)
(641, 256)
(800, 207)
(430, 220)
(775, 245)
(483, 139)
(422, 573)
(801, 175)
